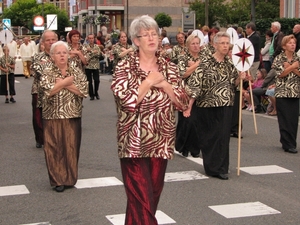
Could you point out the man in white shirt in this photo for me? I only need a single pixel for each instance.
(12, 46)
(26, 52)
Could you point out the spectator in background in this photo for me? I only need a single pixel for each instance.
(257, 83)
(296, 32)
(275, 47)
(254, 38)
(164, 37)
(205, 30)
(240, 32)
(265, 51)
(12, 46)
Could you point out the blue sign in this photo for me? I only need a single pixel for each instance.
(7, 24)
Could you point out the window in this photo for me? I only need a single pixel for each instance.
(289, 8)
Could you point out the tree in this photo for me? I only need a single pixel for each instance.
(239, 11)
(22, 13)
(217, 12)
(267, 9)
(234, 12)
(163, 20)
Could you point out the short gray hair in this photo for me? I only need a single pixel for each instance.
(219, 35)
(48, 31)
(56, 44)
(276, 24)
(142, 22)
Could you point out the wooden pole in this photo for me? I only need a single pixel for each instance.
(240, 127)
(253, 107)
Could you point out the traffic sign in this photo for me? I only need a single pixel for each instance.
(7, 24)
(38, 21)
(51, 22)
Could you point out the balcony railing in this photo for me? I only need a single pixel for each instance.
(83, 5)
(106, 3)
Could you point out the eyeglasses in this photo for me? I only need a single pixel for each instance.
(60, 53)
(153, 35)
(224, 43)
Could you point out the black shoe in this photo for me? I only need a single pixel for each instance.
(6, 100)
(221, 176)
(291, 150)
(60, 188)
(97, 97)
(185, 154)
(245, 107)
(12, 100)
(195, 155)
(92, 98)
(38, 145)
(235, 135)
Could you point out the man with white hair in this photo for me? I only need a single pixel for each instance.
(275, 47)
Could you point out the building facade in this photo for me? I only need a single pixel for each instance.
(122, 12)
(290, 8)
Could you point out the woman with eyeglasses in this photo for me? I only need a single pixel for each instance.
(147, 91)
(64, 86)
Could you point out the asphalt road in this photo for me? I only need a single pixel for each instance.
(275, 196)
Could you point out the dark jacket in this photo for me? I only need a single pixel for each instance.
(277, 43)
(255, 40)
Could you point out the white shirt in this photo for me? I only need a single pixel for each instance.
(12, 46)
(26, 51)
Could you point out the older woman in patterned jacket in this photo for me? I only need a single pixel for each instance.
(64, 87)
(287, 93)
(147, 91)
(186, 130)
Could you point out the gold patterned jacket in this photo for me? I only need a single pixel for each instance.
(213, 83)
(64, 104)
(146, 129)
(177, 51)
(208, 49)
(117, 50)
(289, 86)
(183, 63)
(7, 59)
(94, 56)
(39, 62)
(76, 61)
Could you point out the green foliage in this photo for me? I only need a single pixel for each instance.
(223, 12)
(262, 25)
(22, 13)
(266, 9)
(218, 12)
(163, 20)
